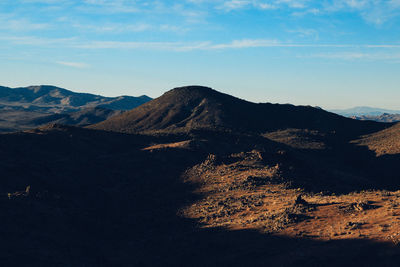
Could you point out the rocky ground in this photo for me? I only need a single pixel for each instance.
(246, 194)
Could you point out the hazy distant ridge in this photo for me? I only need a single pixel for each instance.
(370, 113)
(364, 111)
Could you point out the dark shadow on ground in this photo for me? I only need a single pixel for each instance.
(97, 199)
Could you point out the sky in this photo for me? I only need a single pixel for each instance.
(327, 53)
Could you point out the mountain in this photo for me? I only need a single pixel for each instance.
(45, 97)
(197, 108)
(385, 117)
(364, 111)
(28, 107)
(82, 117)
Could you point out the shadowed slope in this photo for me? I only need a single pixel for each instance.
(196, 107)
(83, 117)
(383, 142)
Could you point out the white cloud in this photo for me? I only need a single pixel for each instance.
(352, 56)
(113, 6)
(234, 4)
(42, 1)
(376, 12)
(37, 41)
(73, 42)
(22, 25)
(246, 43)
(261, 4)
(305, 33)
(114, 28)
(78, 65)
(266, 6)
(293, 3)
(208, 45)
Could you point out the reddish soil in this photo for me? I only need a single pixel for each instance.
(239, 196)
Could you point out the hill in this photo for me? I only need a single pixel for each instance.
(28, 107)
(194, 108)
(386, 142)
(82, 117)
(45, 97)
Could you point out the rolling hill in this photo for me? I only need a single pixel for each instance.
(28, 107)
(82, 117)
(45, 97)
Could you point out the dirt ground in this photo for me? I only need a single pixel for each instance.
(246, 196)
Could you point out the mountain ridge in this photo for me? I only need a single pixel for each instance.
(24, 108)
(63, 99)
(364, 111)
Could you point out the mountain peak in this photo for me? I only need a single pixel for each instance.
(189, 108)
(192, 92)
(191, 88)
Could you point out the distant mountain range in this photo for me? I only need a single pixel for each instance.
(28, 107)
(364, 111)
(370, 113)
(55, 99)
(385, 117)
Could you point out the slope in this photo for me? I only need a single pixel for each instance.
(385, 142)
(82, 117)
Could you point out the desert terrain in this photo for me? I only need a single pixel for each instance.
(200, 178)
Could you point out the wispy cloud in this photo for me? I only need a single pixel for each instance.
(301, 32)
(376, 12)
(112, 6)
(74, 42)
(78, 65)
(353, 56)
(22, 25)
(114, 28)
(234, 4)
(38, 41)
(192, 46)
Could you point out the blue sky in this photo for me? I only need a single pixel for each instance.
(330, 53)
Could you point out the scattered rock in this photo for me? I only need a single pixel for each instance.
(358, 206)
(300, 201)
(353, 225)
